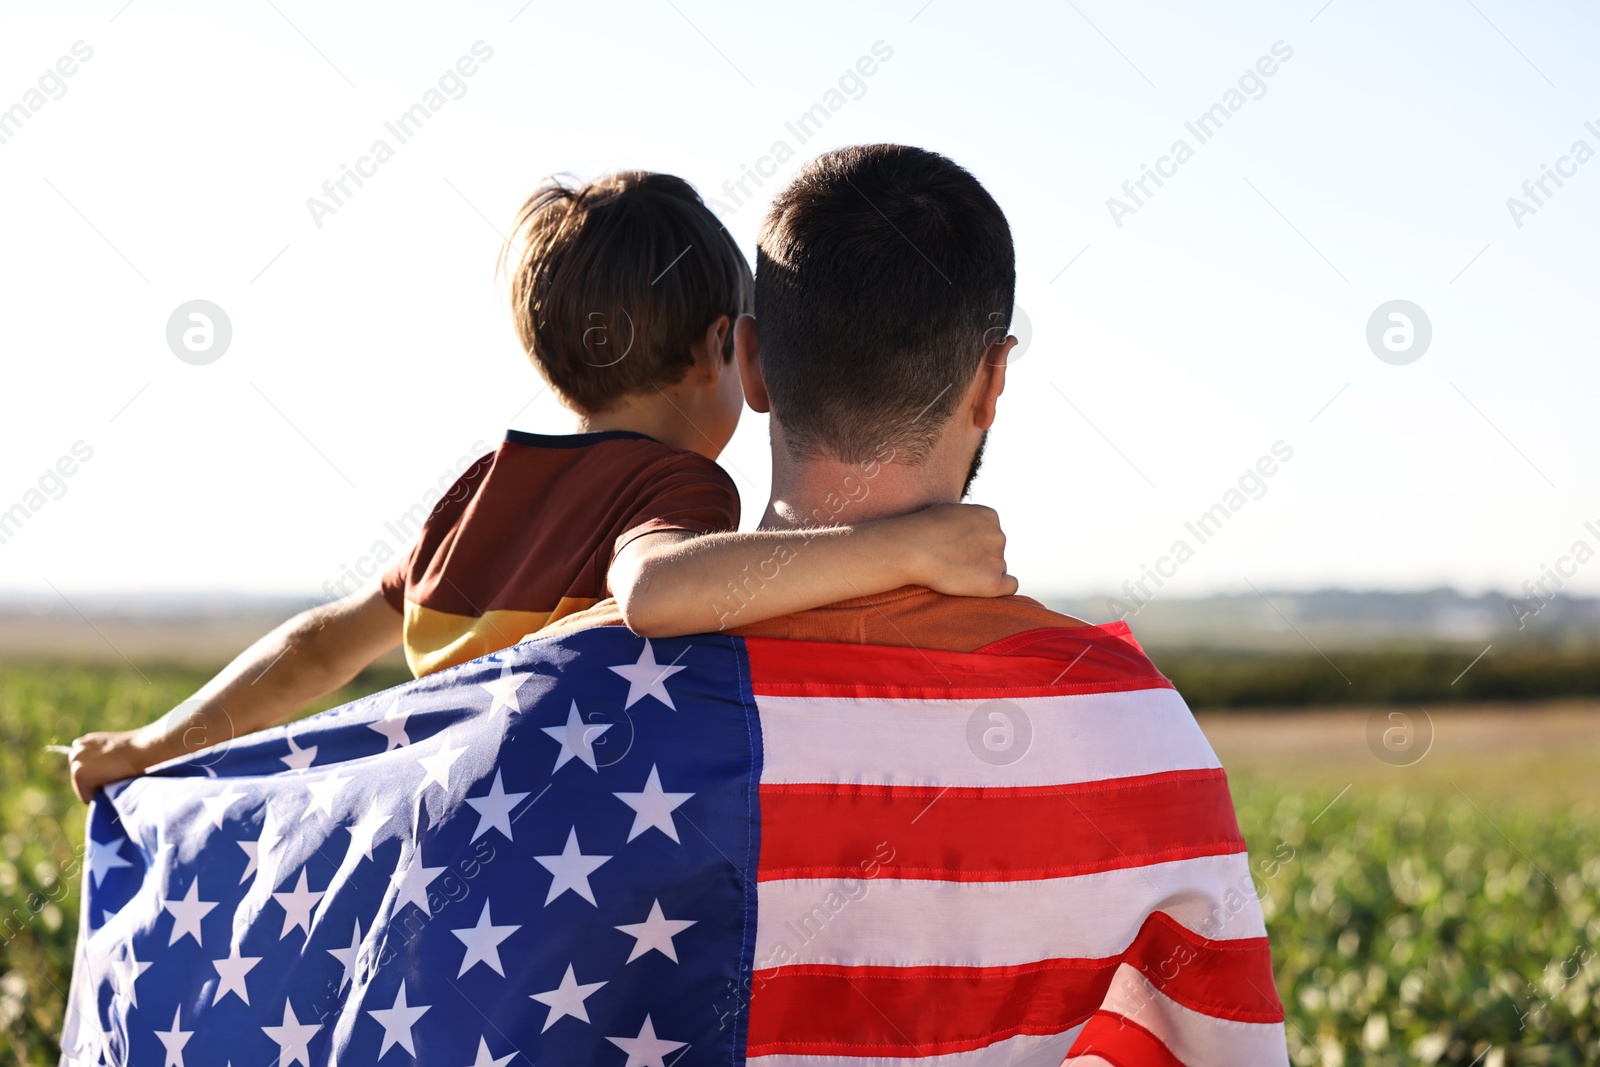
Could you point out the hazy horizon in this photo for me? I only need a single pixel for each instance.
(12, 595)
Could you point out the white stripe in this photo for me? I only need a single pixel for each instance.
(1024, 1050)
(904, 922)
(1080, 738)
(1191, 1036)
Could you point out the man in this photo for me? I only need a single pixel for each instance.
(903, 829)
(882, 273)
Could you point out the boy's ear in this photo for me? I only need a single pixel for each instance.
(708, 350)
(747, 350)
(991, 383)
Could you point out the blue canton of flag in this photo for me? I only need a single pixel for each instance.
(543, 856)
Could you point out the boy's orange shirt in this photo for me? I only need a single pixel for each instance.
(527, 535)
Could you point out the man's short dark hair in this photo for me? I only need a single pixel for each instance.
(882, 273)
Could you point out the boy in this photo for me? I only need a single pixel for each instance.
(624, 297)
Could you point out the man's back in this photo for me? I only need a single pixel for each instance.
(1012, 852)
(992, 830)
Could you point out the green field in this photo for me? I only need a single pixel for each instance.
(1446, 912)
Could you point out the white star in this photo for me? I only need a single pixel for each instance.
(483, 943)
(217, 804)
(127, 972)
(299, 758)
(647, 678)
(653, 808)
(252, 858)
(105, 856)
(292, 1038)
(646, 1050)
(230, 975)
(257, 850)
(393, 726)
(571, 870)
(174, 1040)
(251, 850)
(187, 913)
(270, 835)
(438, 766)
(297, 907)
(347, 956)
(494, 809)
(363, 832)
(324, 789)
(566, 999)
(397, 1022)
(413, 883)
(577, 739)
(655, 934)
(486, 1060)
(503, 690)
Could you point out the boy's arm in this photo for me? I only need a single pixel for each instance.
(313, 654)
(675, 582)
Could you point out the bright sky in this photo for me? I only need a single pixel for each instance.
(1227, 312)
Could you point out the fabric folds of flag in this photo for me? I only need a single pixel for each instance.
(598, 849)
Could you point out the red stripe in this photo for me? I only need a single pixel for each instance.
(825, 1010)
(1050, 662)
(917, 1011)
(1122, 1042)
(983, 834)
(1229, 979)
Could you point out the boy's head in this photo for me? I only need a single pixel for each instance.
(883, 275)
(616, 281)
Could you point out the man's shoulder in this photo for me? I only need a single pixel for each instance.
(907, 617)
(916, 617)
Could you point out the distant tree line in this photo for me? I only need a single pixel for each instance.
(1230, 678)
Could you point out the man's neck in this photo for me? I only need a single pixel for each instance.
(826, 492)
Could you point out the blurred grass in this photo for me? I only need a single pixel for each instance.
(1424, 927)
(1410, 924)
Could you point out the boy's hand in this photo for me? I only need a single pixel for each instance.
(959, 549)
(99, 758)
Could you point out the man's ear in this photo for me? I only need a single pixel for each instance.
(991, 382)
(747, 350)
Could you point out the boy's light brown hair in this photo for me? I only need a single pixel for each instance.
(616, 279)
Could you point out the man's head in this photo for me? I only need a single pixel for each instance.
(618, 281)
(884, 284)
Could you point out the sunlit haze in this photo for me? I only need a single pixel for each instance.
(1196, 338)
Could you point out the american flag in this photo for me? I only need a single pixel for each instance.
(597, 849)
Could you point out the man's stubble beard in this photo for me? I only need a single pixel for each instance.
(977, 463)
